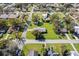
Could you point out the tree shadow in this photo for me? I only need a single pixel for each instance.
(40, 37)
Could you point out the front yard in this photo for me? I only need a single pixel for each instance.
(38, 47)
(49, 35)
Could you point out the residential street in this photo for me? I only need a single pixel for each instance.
(21, 43)
(51, 41)
(27, 28)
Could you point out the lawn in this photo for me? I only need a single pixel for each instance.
(50, 32)
(49, 35)
(77, 47)
(29, 35)
(38, 47)
(50, 28)
(29, 47)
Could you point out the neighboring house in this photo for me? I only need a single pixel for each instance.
(3, 30)
(76, 29)
(12, 16)
(73, 53)
(9, 16)
(3, 16)
(46, 17)
(33, 53)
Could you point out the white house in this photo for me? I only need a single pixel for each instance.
(73, 53)
(3, 16)
(9, 16)
(76, 29)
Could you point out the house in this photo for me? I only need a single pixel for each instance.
(51, 52)
(46, 17)
(73, 53)
(9, 16)
(40, 29)
(76, 29)
(33, 53)
(12, 16)
(63, 30)
(3, 16)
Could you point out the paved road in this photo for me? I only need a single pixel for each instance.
(51, 41)
(22, 42)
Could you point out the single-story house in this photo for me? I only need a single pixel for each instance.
(40, 29)
(33, 53)
(8, 16)
(12, 16)
(76, 29)
(46, 17)
(73, 53)
(63, 30)
(3, 16)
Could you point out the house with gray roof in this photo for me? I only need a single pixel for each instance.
(9, 16)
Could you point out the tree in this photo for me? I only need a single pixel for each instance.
(1, 9)
(66, 53)
(36, 33)
(10, 22)
(1, 53)
(57, 15)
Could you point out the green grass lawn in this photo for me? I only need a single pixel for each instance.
(38, 47)
(77, 47)
(29, 47)
(50, 32)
